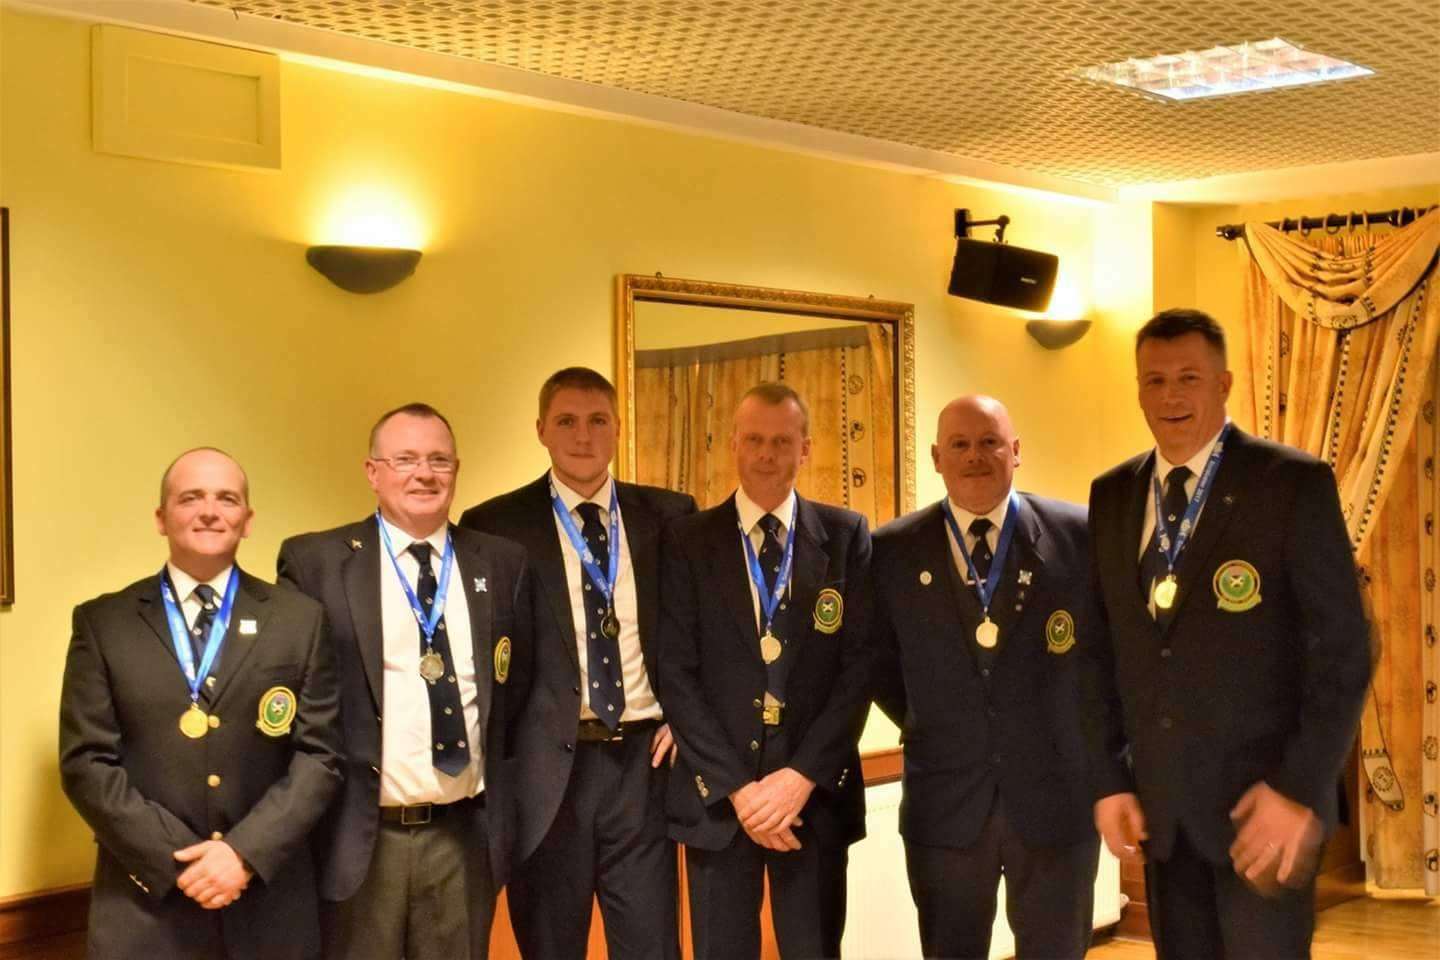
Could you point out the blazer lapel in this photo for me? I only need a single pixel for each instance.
(470, 566)
(360, 573)
(730, 576)
(810, 565)
(1026, 553)
(1127, 557)
(1214, 517)
(247, 624)
(152, 610)
(642, 537)
(547, 557)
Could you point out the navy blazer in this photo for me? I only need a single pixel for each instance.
(341, 568)
(969, 729)
(145, 789)
(712, 679)
(1223, 697)
(545, 733)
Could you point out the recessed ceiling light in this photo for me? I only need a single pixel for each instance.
(1220, 71)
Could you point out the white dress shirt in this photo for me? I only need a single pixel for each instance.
(963, 519)
(185, 585)
(640, 702)
(750, 515)
(407, 765)
(1162, 469)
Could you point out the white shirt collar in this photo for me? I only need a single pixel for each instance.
(751, 512)
(572, 500)
(996, 516)
(401, 540)
(1195, 463)
(185, 584)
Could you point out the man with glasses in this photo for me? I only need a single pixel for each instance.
(431, 626)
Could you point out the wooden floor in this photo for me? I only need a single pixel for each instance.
(1378, 927)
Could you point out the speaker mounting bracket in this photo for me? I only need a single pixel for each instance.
(963, 223)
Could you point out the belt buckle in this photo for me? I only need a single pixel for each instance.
(422, 814)
(770, 714)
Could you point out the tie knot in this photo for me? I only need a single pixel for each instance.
(771, 525)
(206, 593)
(420, 550)
(980, 526)
(1178, 477)
(589, 512)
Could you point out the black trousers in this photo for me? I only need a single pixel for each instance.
(807, 898)
(1049, 894)
(608, 840)
(1202, 910)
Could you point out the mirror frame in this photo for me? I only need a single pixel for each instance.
(900, 317)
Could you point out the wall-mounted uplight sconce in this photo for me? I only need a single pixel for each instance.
(362, 269)
(1063, 323)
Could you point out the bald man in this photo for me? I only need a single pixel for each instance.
(980, 602)
(199, 740)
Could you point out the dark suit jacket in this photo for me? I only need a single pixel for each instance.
(142, 785)
(970, 729)
(342, 568)
(545, 734)
(712, 680)
(1221, 699)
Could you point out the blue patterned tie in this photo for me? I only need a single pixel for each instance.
(447, 719)
(200, 632)
(1173, 502)
(602, 653)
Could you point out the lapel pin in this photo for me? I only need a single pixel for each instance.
(356, 544)
(1025, 578)
(925, 578)
(248, 628)
(480, 586)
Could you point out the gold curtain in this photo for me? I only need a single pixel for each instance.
(685, 400)
(1342, 334)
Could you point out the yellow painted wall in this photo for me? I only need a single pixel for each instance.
(157, 306)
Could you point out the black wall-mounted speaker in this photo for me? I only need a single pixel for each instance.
(1001, 274)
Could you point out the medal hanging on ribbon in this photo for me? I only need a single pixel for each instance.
(432, 665)
(770, 645)
(1164, 591)
(610, 623)
(194, 724)
(987, 634)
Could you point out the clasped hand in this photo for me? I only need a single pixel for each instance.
(769, 808)
(215, 876)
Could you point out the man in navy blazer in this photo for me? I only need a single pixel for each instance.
(593, 752)
(199, 739)
(1226, 681)
(764, 674)
(431, 627)
(981, 601)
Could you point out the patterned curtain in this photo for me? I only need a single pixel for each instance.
(1343, 332)
(685, 399)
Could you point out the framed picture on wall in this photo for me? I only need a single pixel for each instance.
(7, 517)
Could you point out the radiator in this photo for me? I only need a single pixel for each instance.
(880, 922)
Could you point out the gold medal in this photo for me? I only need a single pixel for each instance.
(770, 647)
(610, 626)
(193, 722)
(1165, 592)
(432, 666)
(987, 634)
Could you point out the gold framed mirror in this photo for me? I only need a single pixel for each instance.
(687, 349)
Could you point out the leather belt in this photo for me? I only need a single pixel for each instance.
(422, 814)
(594, 731)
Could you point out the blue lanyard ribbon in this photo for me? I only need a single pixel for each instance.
(986, 589)
(770, 599)
(180, 633)
(606, 585)
(1171, 551)
(428, 622)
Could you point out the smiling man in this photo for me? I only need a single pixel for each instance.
(201, 812)
(980, 603)
(593, 742)
(764, 673)
(1224, 693)
(431, 629)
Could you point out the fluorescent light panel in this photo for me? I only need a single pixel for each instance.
(1220, 71)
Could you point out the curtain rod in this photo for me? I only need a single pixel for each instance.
(1395, 218)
